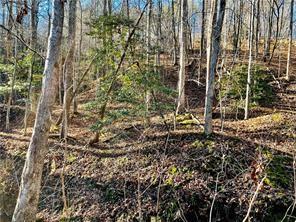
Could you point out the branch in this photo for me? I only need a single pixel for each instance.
(22, 41)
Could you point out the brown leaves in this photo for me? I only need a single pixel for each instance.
(22, 12)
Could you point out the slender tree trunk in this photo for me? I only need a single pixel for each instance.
(175, 60)
(75, 102)
(213, 48)
(278, 29)
(202, 41)
(182, 43)
(10, 98)
(159, 11)
(68, 69)
(257, 35)
(27, 202)
(251, 34)
(8, 56)
(290, 39)
(269, 33)
(148, 52)
(33, 43)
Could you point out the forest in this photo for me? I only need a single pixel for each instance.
(147, 110)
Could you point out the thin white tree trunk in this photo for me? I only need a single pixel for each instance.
(247, 101)
(27, 202)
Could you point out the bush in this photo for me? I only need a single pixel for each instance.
(233, 86)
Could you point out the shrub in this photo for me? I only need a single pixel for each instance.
(233, 86)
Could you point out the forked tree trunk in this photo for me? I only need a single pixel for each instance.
(27, 202)
(251, 26)
(213, 48)
(290, 39)
(182, 42)
(269, 33)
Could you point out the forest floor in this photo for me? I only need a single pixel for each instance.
(158, 172)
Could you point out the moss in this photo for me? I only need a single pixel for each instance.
(277, 173)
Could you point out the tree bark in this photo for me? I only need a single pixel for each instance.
(290, 39)
(33, 43)
(213, 48)
(27, 202)
(68, 69)
(251, 26)
(182, 43)
(269, 33)
(202, 41)
(175, 60)
(148, 46)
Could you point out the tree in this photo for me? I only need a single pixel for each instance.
(251, 34)
(202, 40)
(173, 24)
(213, 48)
(33, 43)
(182, 42)
(290, 39)
(269, 32)
(27, 202)
(68, 69)
(148, 50)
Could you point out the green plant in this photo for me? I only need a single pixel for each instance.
(233, 86)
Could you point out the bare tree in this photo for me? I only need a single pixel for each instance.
(290, 39)
(173, 23)
(251, 34)
(33, 43)
(68, 69)
(213, 48)
(182, 42)
(27, 202)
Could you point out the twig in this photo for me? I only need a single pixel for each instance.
(216, 188)
(294, 201)
(254, 198)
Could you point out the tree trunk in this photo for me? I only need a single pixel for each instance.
(159, 11)
(148, 45)
(278, 29)
(69, 68)
(33, 43)
(213, 48)
(251, 32)
(202, 41)
(290, 39)
(10, 98)
(175, 60)
(75, 102)
(27, 202)
(257, 35)
(182, 42)
(269, 32)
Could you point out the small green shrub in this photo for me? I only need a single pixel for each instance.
(233, 86)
